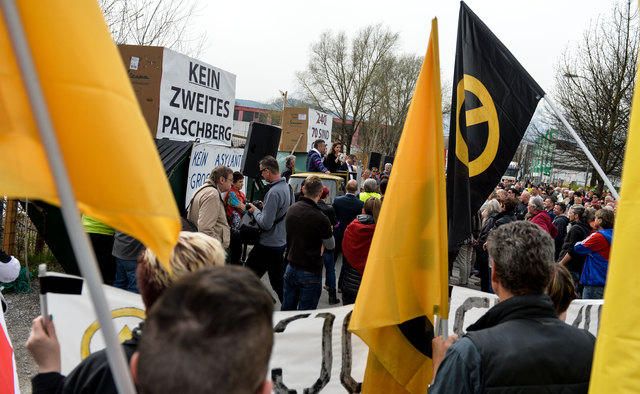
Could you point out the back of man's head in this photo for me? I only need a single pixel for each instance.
(370, 186)
(607, 218)
(271, 164)
(209, 333)
(352, 186)
(313, 186)
(317, 143)
(523, 256)
(510, 204)
(383, 186)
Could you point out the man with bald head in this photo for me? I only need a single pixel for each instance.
(521, 209)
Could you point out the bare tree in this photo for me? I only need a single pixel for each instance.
(389, 98)
(339, 75)
(594, 87)
(154, 22)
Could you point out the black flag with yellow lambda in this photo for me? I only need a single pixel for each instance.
(492, 103)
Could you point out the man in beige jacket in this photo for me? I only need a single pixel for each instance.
(207, 208)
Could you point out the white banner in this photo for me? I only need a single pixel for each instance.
(196, 100)
(467, 306)
(313, 350)
(204, 158)
(320, 126)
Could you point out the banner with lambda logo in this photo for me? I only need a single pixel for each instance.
(313, 350)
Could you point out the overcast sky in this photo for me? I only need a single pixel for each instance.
(264, 43)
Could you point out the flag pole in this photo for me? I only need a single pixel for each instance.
(79, 239)
(584, 148)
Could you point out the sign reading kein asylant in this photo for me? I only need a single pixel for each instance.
(196, 100)
(204, 158)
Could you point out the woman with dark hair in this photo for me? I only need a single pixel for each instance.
(561, 290)
(235, 209)
(355, 248)
(332, 161)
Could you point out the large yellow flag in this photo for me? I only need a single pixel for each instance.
(616, 363)
(114, 168)
(406, 277)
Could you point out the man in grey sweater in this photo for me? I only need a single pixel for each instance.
(267, 255)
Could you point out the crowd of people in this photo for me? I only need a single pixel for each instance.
(537, 247)
(580, 224)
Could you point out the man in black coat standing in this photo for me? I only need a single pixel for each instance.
(347, 207)
(578, 231)
(561, 222)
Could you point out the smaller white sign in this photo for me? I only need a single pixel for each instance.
(133, 64)
(204, 158)
(320, 125)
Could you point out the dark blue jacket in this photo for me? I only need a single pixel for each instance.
(347, 208)
(314, 162)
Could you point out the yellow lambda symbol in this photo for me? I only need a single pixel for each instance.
(123, 335)
(486, 113)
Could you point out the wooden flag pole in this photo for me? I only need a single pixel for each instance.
(79, 239)
(583, 147)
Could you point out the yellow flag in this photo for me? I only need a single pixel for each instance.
(406, 276)
(617, 355)
(114, 168)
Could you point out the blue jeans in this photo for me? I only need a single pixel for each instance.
(126, 275)
(330, 267)
(302, 290)
(593, 292)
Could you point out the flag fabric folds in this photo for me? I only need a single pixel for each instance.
(493, 100)
(405, 281)
(106, 145)
(617, 354)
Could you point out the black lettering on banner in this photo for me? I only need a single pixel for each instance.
(327, 356)
(166, 122)
(193, 77)
(173, 102)
(227, 133)
(587, 317)
(226, 109)
(348, 382)
(469, 303)
(276, 373)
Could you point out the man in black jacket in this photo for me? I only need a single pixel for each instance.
(309, 235)
(578, 231)
(561, 222)
(519, 344)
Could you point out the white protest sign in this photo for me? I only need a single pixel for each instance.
(196, 100)
(77, 326)
(204, 158)
(319, 127)
(467, 306)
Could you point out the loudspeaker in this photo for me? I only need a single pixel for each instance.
(262, 140)
(374, 160)
(385, 160)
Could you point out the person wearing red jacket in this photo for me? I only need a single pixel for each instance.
(355, 247)
(540, 216)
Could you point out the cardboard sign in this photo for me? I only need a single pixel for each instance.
(204, 158)
(302, 126)
(196, 100)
